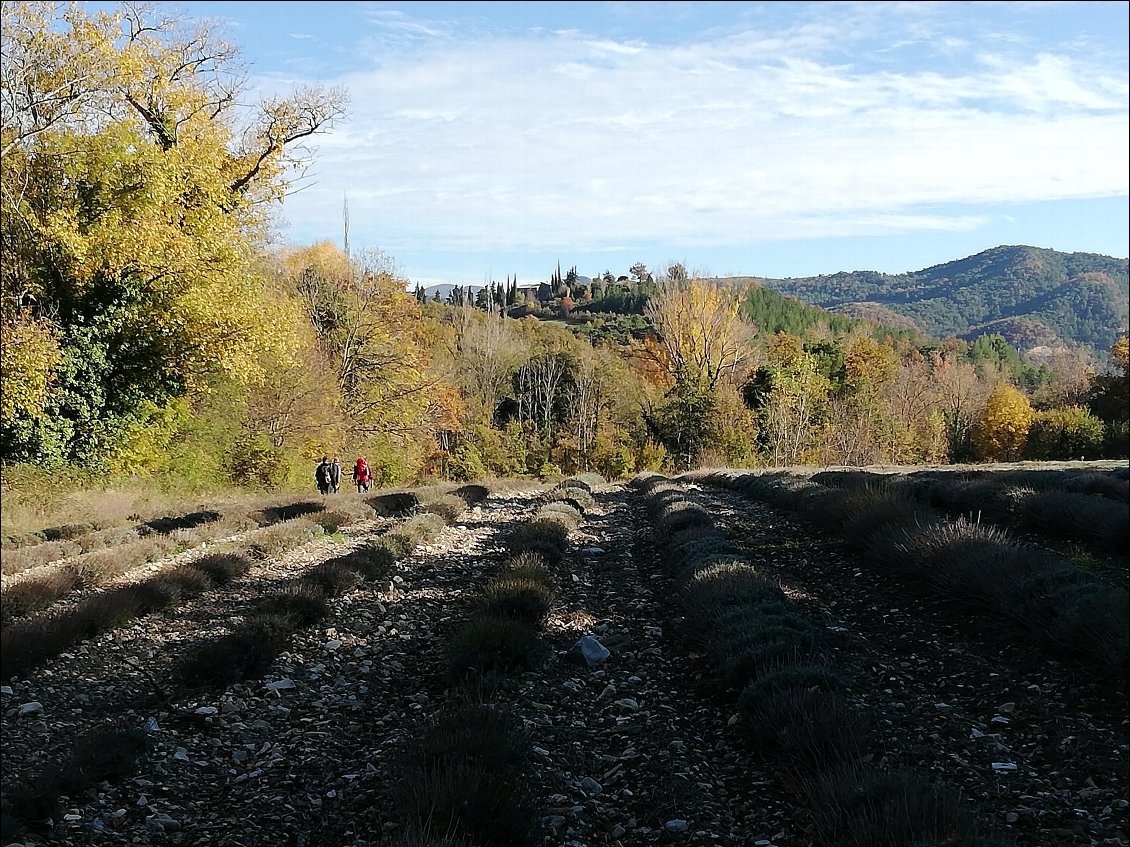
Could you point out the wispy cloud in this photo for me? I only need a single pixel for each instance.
(565, 139)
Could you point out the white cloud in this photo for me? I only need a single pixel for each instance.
(565, 140)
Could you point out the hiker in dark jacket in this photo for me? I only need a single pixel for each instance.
(322, 475)
(335, 475)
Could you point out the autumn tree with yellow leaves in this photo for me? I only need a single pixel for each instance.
(1002, 431)
(133, 198)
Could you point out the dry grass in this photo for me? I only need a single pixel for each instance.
(447, 506)
(101, 566)
(16, 560)
(37, 593)
(280, 538)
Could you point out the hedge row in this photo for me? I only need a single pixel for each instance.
(106, 755)
(248, 650)
(1075, 512)
(1067, 610)
(468, 774)
(795, 708)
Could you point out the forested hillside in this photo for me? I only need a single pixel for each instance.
(1077, 298)
(152, 328)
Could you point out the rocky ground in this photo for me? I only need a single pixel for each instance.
(643, 750)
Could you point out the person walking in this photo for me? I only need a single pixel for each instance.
(362, 474)
(322, 475)
(335, 475)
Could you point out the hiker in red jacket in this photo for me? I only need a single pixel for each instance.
(362, 475)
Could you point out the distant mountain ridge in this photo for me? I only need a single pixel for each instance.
(1032, 296)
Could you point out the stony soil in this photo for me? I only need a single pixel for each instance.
(647, 739)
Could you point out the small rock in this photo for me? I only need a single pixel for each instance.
(628, 704)
(207, 710)
(591, 786)
(151, 725)
(161, 822)
(143, 800)
(1004, 766)
(676, 825)
(181, 755)
(592, 551)
(72, 816)
(1011, 817)
(280, 685)
(7, 690)
(572, 686)
(32, 708)
(588, 651)
(1007, 708)
(332, 644)
(618, 831)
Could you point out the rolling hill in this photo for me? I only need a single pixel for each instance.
(1030, 295)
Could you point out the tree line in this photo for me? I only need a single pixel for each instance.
(150, 328)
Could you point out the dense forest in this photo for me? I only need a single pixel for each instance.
(151, 327)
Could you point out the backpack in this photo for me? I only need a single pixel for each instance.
(322, 475)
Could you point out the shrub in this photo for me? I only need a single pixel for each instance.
(854, 808)
(684, 515)
(447, 506)
(465, 462)
(96, 757)
(1089, 621)
(100, 566)
(68, 532)
(574, 482)
(20, 559)
(714, 588)
(245, 653)
(864, 512)
(1067, 433)
(963, 558)
(795, 678)
(462, 796)
(495, 644)
(808, 727)
(394, 504)
(331, 578)
(286, 512)
(517, 599)
(37, 593)
(223, 568)
(549, 538)
(177, 582)
(165, 525)
(372, 561)
(568, 515)
(760, 653)
(477, 732)
(528, 565)
(404, 539)
(467, 776)
(303, 604)
(472, 494)
(278, 539)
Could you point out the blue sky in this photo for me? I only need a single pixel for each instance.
(770, 139)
